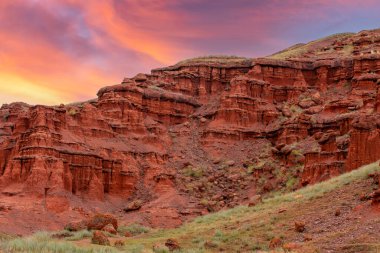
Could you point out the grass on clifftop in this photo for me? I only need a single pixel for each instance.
(214, 59)
(241, 229)
(315, 45)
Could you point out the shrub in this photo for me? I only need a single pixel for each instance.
(134, 229)
(291, 183)
(193, 172)
(204, 202)
(250, 169)
(219, 236)
(76, 236)
(72, 112)
(256, 166)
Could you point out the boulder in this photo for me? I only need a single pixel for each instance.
(230, 163)
(210, 245)
(375, 177)
(172, 244)
(119, 243)
(99, 221)
(140, 77)
(99, 238)
(275, 242)
(299, 226)
(76, 226)
(110, 229)
(133, 206)
(375, 197)
(291, 246)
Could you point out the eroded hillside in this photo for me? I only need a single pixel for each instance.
(200, 136)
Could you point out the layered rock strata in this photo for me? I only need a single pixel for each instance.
(201, 135)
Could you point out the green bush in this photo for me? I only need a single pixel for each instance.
(291, 183)
(79, 235)
(256, 166)
(134, 229)
(193, 172)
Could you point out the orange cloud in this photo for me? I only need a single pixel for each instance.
(45, 52)
(65, 50)
(41, 73)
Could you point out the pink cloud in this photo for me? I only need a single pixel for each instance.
(69, 48)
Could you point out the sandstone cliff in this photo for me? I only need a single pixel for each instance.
(201, 135)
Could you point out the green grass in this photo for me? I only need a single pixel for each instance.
(214, 59)
(291, 182)
(81, 104)
(191, 171)
(134, 229)
(43, 243)
(300, 49)
(256, 166)
(318, 190)
(79, 235)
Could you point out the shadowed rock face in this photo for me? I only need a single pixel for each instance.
(198, 137)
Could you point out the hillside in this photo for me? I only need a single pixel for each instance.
(198, 137)
(336, 217)
(333, 46)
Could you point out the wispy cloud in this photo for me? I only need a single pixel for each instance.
(56, 51)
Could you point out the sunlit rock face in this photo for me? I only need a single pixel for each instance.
(202, 135)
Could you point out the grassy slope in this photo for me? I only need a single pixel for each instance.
(315, 46)
(246, 229)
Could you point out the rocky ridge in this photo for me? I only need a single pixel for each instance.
(199, 136)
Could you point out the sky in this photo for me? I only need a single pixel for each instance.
(61, 51)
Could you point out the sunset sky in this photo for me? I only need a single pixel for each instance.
(59, 51)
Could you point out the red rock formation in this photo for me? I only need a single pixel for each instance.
(200, 135)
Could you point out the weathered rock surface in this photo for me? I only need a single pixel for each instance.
(99, 238)
(100, 221)
(96, 222)
(199, 136)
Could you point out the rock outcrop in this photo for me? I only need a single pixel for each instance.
(96, 222)
(99, 238)
(202, 135)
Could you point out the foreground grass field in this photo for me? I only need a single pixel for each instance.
(250, 229)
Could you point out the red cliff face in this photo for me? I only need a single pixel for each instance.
(198, 136)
